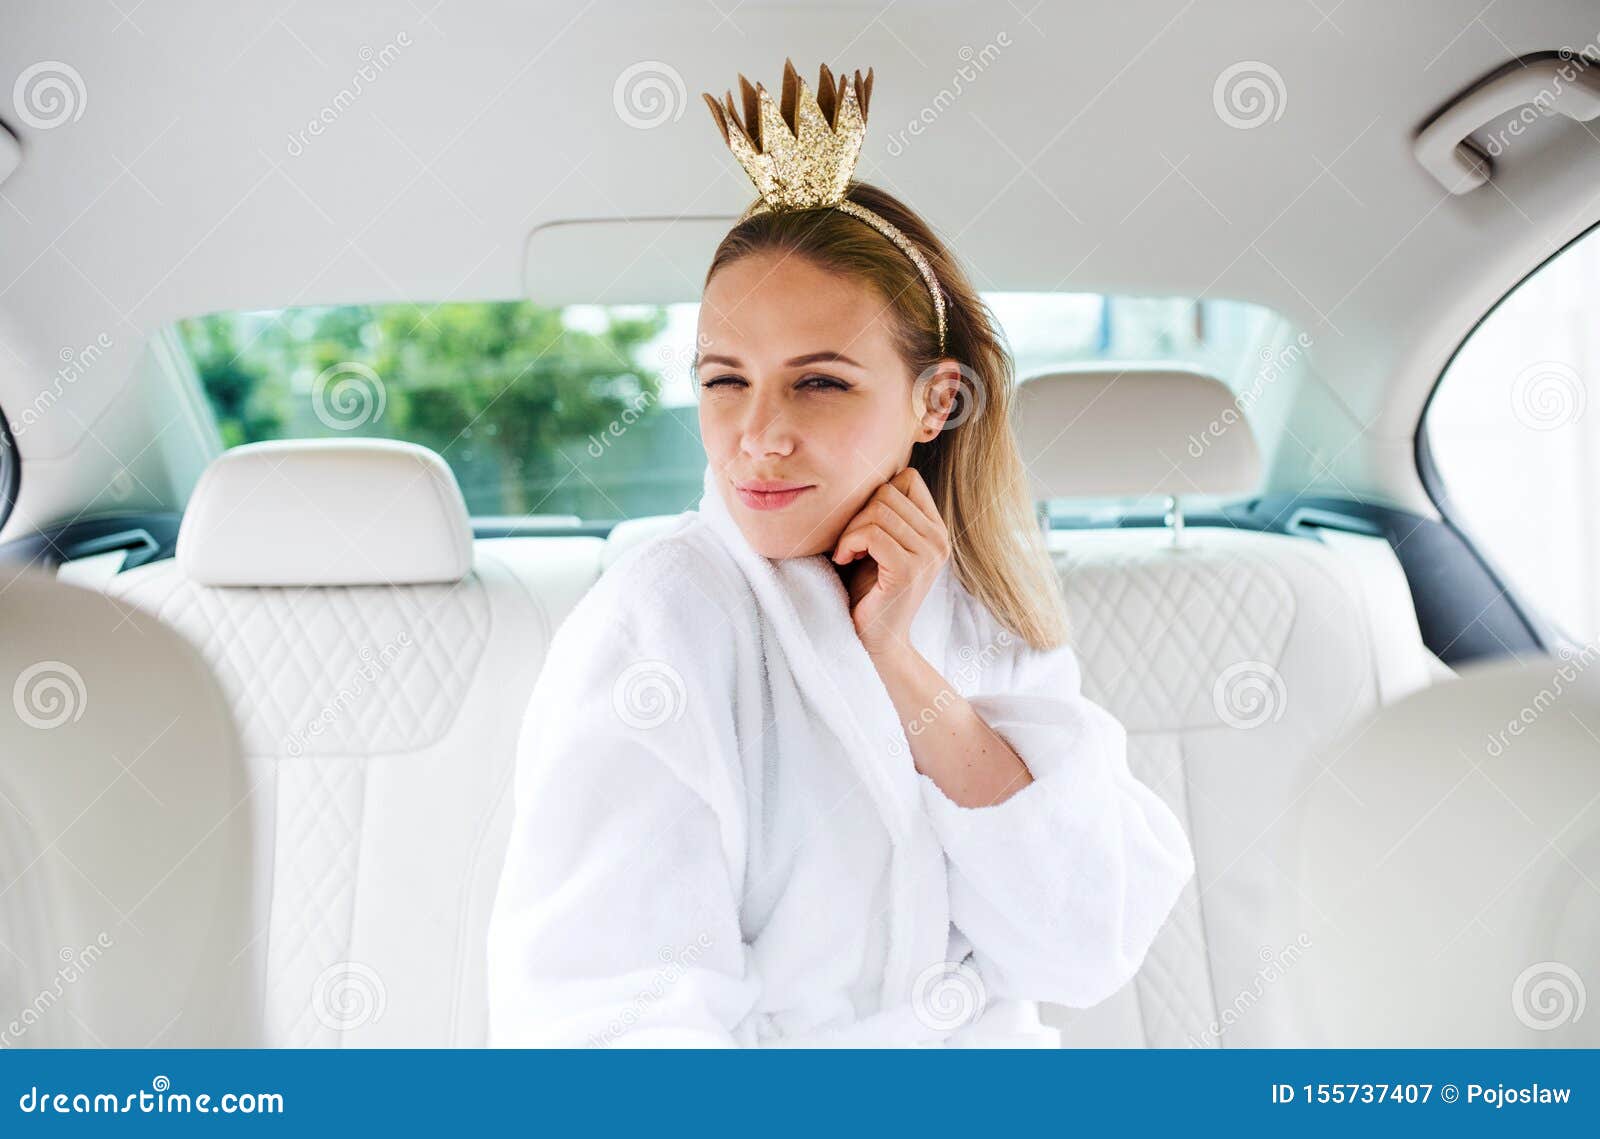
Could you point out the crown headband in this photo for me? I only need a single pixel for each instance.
(802, 155)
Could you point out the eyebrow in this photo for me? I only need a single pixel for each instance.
(830, 357)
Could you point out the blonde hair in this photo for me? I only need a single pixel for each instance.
(973, 467)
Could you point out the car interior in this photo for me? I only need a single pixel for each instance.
(345, 350)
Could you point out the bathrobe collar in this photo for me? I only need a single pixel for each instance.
(806, 602)
(930, 628)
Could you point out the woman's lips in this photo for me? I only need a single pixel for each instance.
(770, 500)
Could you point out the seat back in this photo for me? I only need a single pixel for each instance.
(1230, 662)
(1453, 851)
(124, 857)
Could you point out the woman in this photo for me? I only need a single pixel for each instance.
(814, 767)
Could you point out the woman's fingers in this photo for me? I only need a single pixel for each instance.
(882, 513)
(877, 543)
(903, 510)
(909, 495)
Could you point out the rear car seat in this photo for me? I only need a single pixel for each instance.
(1230, 656)
(377, 664)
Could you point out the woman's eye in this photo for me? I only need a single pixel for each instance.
(816, 383)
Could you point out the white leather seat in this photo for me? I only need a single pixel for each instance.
(378, 664)
(1230, 658)
(123, 857)
(1452, 849)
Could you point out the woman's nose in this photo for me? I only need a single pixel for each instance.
(766, 429)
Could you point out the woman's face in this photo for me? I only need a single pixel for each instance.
(800, 386)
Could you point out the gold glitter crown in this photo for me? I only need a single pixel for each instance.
(802, 154)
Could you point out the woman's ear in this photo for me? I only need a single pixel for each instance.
(936, 393)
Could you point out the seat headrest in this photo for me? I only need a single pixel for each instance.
(1131, 431)
(326, 512)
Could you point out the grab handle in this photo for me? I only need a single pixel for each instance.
(1565, 86)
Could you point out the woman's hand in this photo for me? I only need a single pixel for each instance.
(899, 543)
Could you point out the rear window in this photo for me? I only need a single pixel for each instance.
(588, 413)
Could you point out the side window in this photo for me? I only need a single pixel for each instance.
(1514, 432)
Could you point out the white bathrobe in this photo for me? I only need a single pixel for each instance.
(721, 838)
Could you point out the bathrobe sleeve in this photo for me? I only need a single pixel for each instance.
(1062, 887)
(616, 920)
